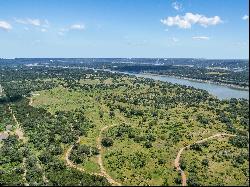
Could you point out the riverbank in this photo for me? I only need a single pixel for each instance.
(199, 80)
(218, 90)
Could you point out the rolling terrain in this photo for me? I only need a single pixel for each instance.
(103, 128)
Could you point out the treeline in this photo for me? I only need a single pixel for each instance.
(240, 78)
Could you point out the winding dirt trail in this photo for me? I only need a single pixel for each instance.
(100, 161)
(25, 172)
(45, 179)
(18, 130)
(20, 134)
(68, 161)
(103, 172)
(177, 159)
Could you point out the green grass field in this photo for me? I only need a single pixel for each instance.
(143, 152)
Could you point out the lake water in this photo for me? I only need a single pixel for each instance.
(221, 91)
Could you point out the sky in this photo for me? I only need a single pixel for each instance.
(214, 29)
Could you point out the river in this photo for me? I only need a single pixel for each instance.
(220, 91)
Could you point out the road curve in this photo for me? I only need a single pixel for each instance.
(103, 172)
(177, 159)
(68, 161)
(100, 161)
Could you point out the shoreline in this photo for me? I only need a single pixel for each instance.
(177, 77)
(185, 78)
(200, 80)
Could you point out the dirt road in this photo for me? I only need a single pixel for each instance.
(103, 172)
(68, 161)
(177, 159)
(100, 161)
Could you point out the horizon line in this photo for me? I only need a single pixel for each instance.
(124, 58)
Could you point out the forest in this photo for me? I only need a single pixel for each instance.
(74, 126)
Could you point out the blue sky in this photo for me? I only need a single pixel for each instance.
(124, 28)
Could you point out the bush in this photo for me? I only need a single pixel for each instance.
(139, 139)
(107, 142)
(148, 144)
(101, 114)
(239, 141)
(183, 164)
(161, 161)
(177, 180)
(196, 147)
(193, 181)
(138, 160)
(205, 162)
(165, 183)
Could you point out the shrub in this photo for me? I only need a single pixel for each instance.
(196, 147)
(107, 142)
(239, 141)
(193, 181)
(161, 161)
(183, 164)
(205, 162)
(148, 144)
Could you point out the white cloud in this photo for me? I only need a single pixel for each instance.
(63, 31)
(22, 21)
(5, 26)
(246, 17)
(33, 22)
(77, 27)
(177, 6)
(29, 21)
(43, 30)
(189, 19)
(46, 23)
(175, 39)
(201, 37)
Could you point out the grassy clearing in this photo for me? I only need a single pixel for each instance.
(221, 169)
